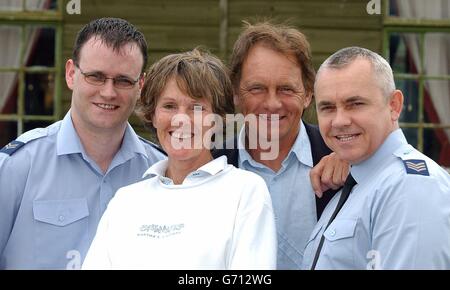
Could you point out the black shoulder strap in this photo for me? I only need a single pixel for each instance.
(318, 147)
(318, 150)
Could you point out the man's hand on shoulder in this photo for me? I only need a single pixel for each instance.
(330, 172)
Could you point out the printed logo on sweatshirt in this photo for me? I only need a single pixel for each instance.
(160, 231)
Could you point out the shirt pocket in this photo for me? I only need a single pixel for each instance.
(340, 229)
(61, 229)
(60, 212)
(340, 242)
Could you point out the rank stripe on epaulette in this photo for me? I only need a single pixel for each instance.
(12, 147)
(416, 166)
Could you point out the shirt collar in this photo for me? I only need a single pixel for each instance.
(301, 148)
(366, 168)
(214, 166)
(157, 169)
(209, 169)
(69, 142)
(243, 154)
(131, 142)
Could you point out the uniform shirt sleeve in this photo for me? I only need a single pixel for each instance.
(254, 241)
(411, 224)
(13, 179)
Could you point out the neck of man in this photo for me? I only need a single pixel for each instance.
(285, 146)
(100, 145)
(177, 170)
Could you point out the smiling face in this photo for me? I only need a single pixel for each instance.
(270, 85)
(105, 107)
(354, 116)
(178, 134)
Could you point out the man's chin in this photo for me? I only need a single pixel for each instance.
(348, 156)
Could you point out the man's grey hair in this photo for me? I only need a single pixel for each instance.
(381, 68)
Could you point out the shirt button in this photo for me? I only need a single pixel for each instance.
(61, 218)
(333, 233)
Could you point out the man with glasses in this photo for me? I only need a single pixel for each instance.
(99, 79)
(56, 182)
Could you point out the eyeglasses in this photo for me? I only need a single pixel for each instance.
(99, 79)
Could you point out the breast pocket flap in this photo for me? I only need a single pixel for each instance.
(60, 212)
(340, 229)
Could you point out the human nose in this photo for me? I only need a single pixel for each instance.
(272, 102)
(341, 118)
(185, 113)
(181, 120)
(107, 89)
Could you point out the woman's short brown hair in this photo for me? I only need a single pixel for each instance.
(281, 38)
(198, 73)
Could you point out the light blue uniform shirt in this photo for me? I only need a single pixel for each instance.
(292, 196)
(52, 195)
(396, 217)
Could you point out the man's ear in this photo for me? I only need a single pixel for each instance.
(142, 81)
(308, 99)
(396, 104)
(70, 73)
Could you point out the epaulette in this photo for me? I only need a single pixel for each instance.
(412, 161)
(153, 145)
(23, 139)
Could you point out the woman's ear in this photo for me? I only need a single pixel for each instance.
(153, 120)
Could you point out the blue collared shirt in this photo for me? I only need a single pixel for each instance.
(292, 196)
(52, 195)
(396, 217)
